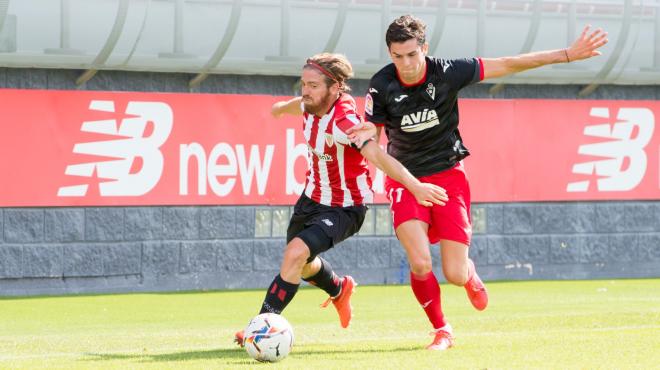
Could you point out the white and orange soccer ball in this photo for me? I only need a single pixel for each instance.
(268, 337)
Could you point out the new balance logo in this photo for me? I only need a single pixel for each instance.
(624, 160)
(327, 222)
(130, 162)
(400, 97)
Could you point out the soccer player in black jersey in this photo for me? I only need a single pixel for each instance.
(415, 99)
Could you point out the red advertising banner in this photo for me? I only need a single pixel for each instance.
(82, 148)
(558, 150)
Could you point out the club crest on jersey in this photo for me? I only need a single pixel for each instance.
(329, 140)
(430, 89)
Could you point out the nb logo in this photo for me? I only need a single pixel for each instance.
(130, 162)
(327, 222)
(624, 161)
(400, 97)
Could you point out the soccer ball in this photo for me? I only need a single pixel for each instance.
(268, 337)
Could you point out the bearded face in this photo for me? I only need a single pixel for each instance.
(317, 96)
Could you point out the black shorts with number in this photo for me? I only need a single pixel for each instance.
(336, 223)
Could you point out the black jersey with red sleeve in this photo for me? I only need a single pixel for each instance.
(421, 120)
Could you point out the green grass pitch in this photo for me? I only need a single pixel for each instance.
(604, 324)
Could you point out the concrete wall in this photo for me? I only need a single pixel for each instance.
(112, 249)
(117, 249)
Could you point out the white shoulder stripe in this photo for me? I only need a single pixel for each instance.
(353, 118)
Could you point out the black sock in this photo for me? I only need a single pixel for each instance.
(278, 296)
(326, 279)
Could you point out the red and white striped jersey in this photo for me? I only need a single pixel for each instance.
(337, 174)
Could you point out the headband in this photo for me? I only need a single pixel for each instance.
(320, 68)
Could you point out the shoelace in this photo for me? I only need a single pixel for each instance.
(475, 287)
(445, 329)
(326, 303)
(441, 334)
(330, 299)
(434, 332)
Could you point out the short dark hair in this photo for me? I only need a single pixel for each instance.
(404, 28)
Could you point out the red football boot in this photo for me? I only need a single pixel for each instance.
(239, 337)
(342, 302)
(444, 339)
(476, 290)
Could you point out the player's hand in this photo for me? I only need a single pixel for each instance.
(361, 132)
(586, 46)
(277, 110)
(429, 194)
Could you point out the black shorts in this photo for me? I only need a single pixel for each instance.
(337, 223)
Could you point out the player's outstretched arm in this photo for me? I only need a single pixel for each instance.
(291, 107)
(426, 194)
(584, 47)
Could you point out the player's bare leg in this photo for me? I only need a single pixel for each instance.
(413, 237)
(295, 259)
(460, 270)
(310, 269)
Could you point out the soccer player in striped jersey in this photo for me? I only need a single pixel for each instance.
(416, 99)
(338, 186)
